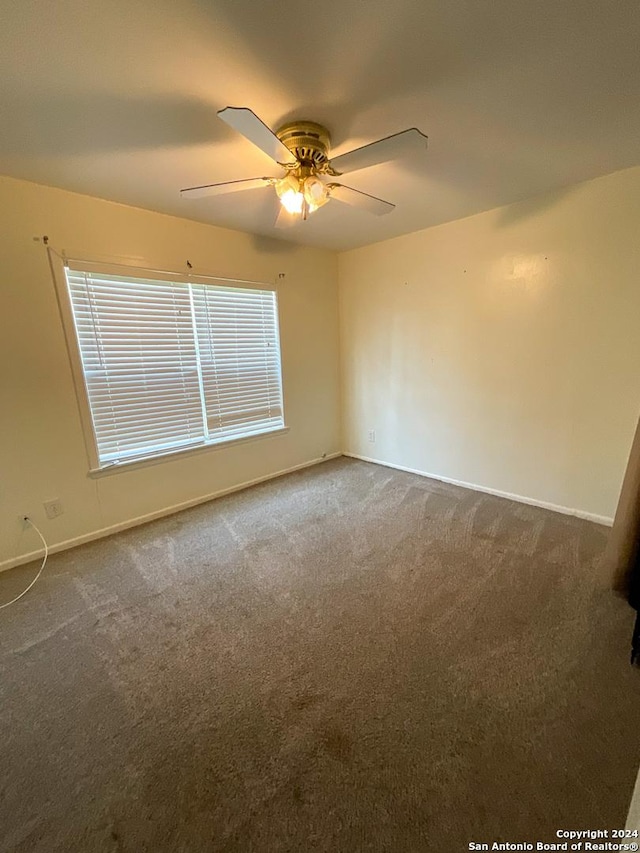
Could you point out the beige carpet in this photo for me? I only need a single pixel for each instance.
(346, 659)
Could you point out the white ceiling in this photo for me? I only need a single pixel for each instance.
(118, 99)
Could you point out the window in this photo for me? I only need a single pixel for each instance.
(174, 364)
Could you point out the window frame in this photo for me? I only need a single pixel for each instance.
(63, 296)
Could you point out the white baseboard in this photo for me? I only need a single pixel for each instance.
(565, 510)
(170, 510)
(151, 516)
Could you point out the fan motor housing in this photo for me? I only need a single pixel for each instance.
(308, 141)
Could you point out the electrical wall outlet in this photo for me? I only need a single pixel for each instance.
(53, 508)
(372, 435)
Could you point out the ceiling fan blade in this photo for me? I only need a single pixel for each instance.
(359, 199)
(391, 147)
(246, 122)
(226, 187)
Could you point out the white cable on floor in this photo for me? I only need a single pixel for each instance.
(46, 554)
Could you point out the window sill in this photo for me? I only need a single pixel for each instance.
(172, 455)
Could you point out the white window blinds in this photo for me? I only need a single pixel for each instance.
(237, 335)
(170, 364)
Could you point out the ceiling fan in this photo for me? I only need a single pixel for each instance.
(302, 148)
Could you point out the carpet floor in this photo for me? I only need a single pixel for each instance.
(349, 658)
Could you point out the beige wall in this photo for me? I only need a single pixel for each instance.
(502, 350)
(42, 453)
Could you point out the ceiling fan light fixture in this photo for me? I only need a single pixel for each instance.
(288, 190)
(315, 193)
(292, 201)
